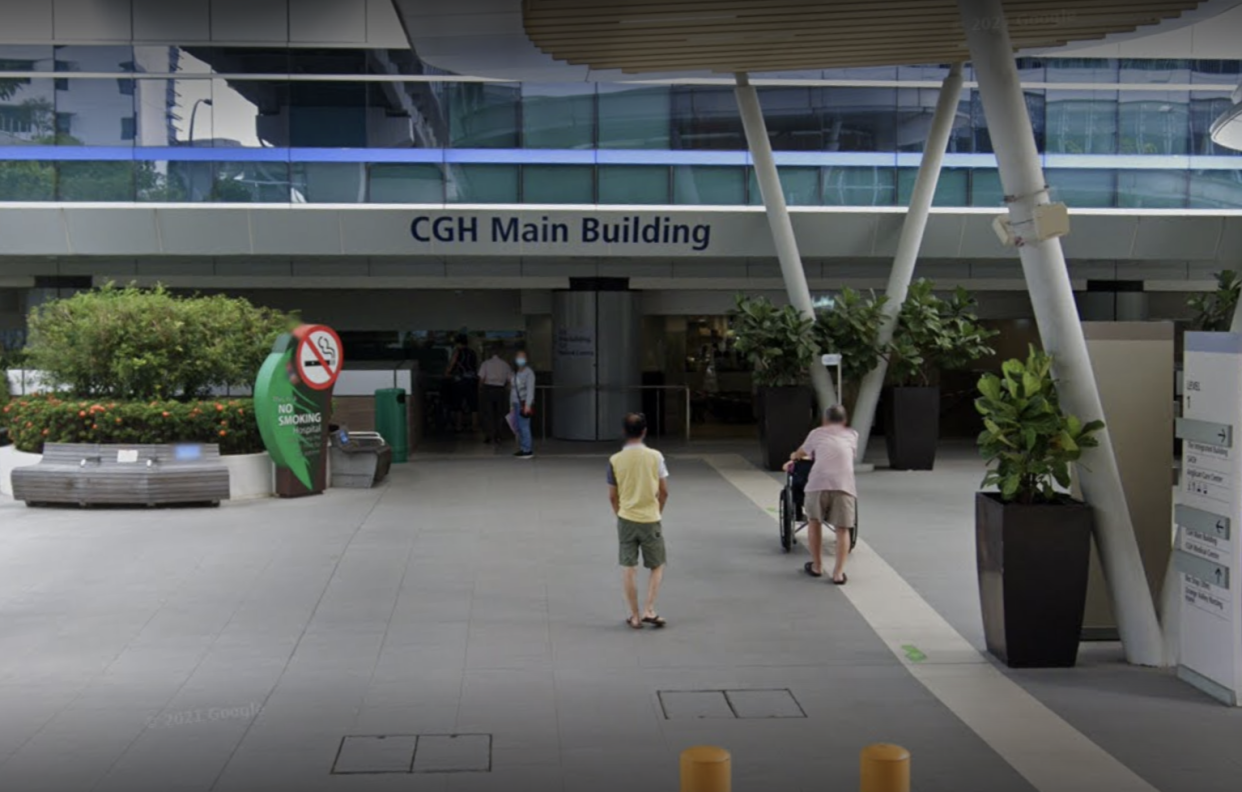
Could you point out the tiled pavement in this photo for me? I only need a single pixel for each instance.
(234, 649)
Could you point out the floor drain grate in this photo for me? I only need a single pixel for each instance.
(373, 754)
(763, 704)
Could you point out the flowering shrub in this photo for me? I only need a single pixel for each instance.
(49, 418)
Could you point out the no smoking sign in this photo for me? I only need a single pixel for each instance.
(318, 356)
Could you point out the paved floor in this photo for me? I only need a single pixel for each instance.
(235, 649)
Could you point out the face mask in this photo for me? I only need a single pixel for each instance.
(521, 362)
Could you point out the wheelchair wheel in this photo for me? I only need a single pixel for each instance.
(786, 522)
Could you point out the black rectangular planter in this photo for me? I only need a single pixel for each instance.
(784, 421)
(912, 427)
(1033, 562)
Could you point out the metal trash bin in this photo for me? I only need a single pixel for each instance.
(360, 460)
(392, 421)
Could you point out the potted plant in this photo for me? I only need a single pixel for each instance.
(780, 344)
(1032, 541)
(932, 334)
(850, 328)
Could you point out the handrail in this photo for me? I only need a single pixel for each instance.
(543, 421)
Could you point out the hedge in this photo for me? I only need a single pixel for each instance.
(48, 418)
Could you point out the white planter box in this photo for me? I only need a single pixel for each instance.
(10, 460)
(250, 475)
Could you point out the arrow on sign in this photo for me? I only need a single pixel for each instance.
(1218, 574)
(1223, 435)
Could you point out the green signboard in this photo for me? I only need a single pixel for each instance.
(293, 404)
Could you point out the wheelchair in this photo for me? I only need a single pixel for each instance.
(791, 512)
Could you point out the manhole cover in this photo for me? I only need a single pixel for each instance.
(694, 704)
(453, 753)
(375, 754)
(764, 704)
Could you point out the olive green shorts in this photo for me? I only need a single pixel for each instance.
(645, 536)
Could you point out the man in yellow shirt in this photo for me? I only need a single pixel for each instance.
(638, 490)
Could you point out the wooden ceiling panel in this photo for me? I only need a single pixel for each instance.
(785, 35)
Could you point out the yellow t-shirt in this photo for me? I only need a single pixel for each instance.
(636, 471)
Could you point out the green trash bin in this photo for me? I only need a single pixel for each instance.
(392, 422)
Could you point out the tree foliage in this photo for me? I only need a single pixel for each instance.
(934, 333)
(779, 342)
(1028, 442)
(1213, 311)
(851, 328)
(128, 343)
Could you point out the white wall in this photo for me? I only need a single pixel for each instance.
(323, 23)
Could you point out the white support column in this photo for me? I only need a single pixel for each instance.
(1052, 296)
(778, 220)
(908, 246)
(1236, 325)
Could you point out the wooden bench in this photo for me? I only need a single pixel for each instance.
(134, 475)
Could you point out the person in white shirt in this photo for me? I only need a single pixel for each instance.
(494, 376)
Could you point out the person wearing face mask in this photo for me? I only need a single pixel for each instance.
(522, 400)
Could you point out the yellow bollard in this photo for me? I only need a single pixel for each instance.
(706, 769)
(885, 768)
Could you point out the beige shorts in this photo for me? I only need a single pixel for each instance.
(831, 507)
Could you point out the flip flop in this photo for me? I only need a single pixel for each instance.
(809, 568)
(844, 579)
(634, 623)
(654, 621)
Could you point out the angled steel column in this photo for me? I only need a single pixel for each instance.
(1052, 296)
(778, 220)
(908, 246)
(1236, 325)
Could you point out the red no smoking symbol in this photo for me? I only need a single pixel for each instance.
(318, 356)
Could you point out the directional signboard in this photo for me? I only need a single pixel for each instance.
(1209, 507)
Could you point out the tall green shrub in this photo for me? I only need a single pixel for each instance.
(935, 334)
(851, 329)
(1213, 311)
(779, 342)
(129, 343)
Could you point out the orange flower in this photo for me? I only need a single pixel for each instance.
(118, 420)
(45, 433)
(166, 413)
(219, 408)
(94, 426)
(223, 433)
(81, 413)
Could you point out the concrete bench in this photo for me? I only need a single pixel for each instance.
(143, 475)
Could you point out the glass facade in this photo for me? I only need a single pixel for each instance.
(212, 124)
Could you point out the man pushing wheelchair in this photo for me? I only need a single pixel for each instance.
(830, 492)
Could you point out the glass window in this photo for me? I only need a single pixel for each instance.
(1081, 70)
(173, 182)
(915, 109)
(633, 184)
(985, 188)
(634, 118)
(1083, 187)
(713, 185)
(483, 115)
(859, 186)
(1205, 108)
(27, 110)
(983, 138)
(329, 182)
(706, 118)
(1154, 122)
(96, 181)
(399, 183)
(856, 119)
(953, 188)
(800, 185)
(93, 58)
(1154, 70)
(558, 184)
(240, 113)
(406, 115)
(327, 114)
(1082, 122)
(558, 116)
(1153, 189)
(26, 57)
(1215, 189)
(251, 182)
(27, 180)
(482, 184)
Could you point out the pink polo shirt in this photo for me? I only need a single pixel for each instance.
(833, 449)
